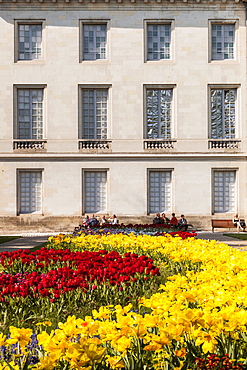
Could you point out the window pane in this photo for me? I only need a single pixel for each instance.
(158, 41)
(30, 113)
(30, 192)
(223, 113)
(29, 41)
(95, 191)
(94, 41)
(159, 113)
(224, 191)
(94, 113)
(223, 40)
(159, 191)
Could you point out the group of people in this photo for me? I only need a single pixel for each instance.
(93, 221)
(180, 224)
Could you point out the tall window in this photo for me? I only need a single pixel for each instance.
(224, 191)
(29, 41)
(159, 191)
(30, 113)
(30, 192)
(95, 191)
(223, 113)
(94, 41)
(159, 116)
(94, 113)
(223, 40)
(158, 41)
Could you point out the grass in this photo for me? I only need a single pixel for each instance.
(4, 239)
(38, 247)
(237, 236)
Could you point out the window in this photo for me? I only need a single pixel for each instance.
(224, 191)
(223, 113)
(30, 113)
(30, 192)
(94, 113)
(94, 41)
(223, 40)
(158, 41)
(29, 41)
(159, 117)
(159, 191)
(95, 191)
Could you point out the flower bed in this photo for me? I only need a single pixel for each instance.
(197, 319)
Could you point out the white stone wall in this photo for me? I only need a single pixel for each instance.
(190, 72)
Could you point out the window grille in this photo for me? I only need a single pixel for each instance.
(94, 113)
(159, 191)
(223, 113)
(95, 183)
(30, 191)
(223, 40)
(159, 41)
(30, 113)
(94, 41)
(29, 41)
(224, 191)
(159, 115)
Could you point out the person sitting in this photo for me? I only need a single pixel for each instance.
(174, 221)
(104, 220)
(113, 220)
(157, 219)
(165, 219)
(85, 221)
(93, 221)
(239, 224)
(182, 223)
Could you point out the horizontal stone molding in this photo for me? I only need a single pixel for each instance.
(224, 144)
(30, 145)
(159, 144)
(104, 145)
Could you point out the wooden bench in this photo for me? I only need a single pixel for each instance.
(222, 224)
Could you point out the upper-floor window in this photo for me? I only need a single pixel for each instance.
(223, 113)
(159, 113)
(29, 41)
(30, 117)
(158, 41)
(223, 41)
(94, 41)
(94, 113)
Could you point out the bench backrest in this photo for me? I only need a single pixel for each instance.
(222, 223)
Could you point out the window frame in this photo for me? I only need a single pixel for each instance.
(80, 111)
(160, 170)
(213, 199)
(173, 109)
(29, 21)
(148, 22)
(94, 170)
(223, 22)
(95, 22)
(15, 109)
(235, 87)
(29, 170)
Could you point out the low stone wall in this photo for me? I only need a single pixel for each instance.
(44, 224)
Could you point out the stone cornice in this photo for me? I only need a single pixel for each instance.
(60, 4)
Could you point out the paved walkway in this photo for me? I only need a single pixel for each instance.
(32, 240)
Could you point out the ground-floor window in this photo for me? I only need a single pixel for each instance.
(95, 191)
(30, 192)
(159, 191)
(224, 191)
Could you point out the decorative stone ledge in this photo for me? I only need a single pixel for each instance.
(159, 144)
(94, 145)
(30, 145)
(224, 144)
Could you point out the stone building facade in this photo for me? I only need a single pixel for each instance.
(129, 107)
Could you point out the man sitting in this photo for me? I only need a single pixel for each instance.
(157, 219)
(182, 223)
